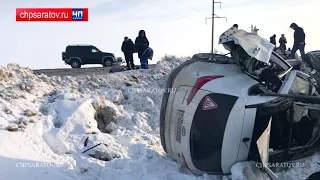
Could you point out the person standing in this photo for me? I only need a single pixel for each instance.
(128, 48)
(282, 42)
(299, 40)
(235, 26)
(142, 45)
(273, 40)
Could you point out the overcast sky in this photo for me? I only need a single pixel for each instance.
(172, 26)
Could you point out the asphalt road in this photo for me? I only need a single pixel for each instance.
(76, 71)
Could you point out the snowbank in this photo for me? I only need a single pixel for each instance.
(49, 124)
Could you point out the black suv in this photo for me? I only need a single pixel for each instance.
(77, 55)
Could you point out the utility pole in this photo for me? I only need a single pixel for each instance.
(212, 17)
(212, 30)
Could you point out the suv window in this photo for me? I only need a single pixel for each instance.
(73, 49)
(69, 49)
(94, 50)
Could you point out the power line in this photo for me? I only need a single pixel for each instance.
(191, 7)
(155, 5)
(167, 10)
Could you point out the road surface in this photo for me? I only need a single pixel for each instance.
(76, 71)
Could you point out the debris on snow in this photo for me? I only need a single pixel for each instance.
(7, 111)
(23, 121)
(104, 117)
(84, 170)
(106, 150)
(13, 128)
(4, 75)
(23, 86)
(29, 113)
(246, 171)
(117, 68)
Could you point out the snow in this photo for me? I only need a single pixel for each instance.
(53, 120)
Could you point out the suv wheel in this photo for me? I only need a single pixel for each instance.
(107, 62)
(75, 63)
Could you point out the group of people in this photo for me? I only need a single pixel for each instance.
(298, 44)
(299, 41)
(140, 46)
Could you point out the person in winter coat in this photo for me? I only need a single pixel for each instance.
(273, 40)
(299, 40)
(282, 42)
(235, 26)
(128, 48)
(142, 45)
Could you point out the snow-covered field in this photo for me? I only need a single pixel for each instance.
(46, 123)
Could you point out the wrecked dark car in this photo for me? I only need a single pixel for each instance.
(251, 106)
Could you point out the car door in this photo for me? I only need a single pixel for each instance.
(305, 104)
(91, 55)
(95, 55)
(84, 51)
(263, 147)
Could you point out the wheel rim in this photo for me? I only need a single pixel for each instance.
(75, 64)
(107, 63)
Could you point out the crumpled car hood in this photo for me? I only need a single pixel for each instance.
(257, 47)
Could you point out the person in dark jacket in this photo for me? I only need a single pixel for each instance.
(299, 40)
(235, 26)
(128, 48)
(273, 40)
(142, 44)
(282, 42)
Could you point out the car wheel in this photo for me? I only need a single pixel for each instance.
(107, 62)
(75, 63)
